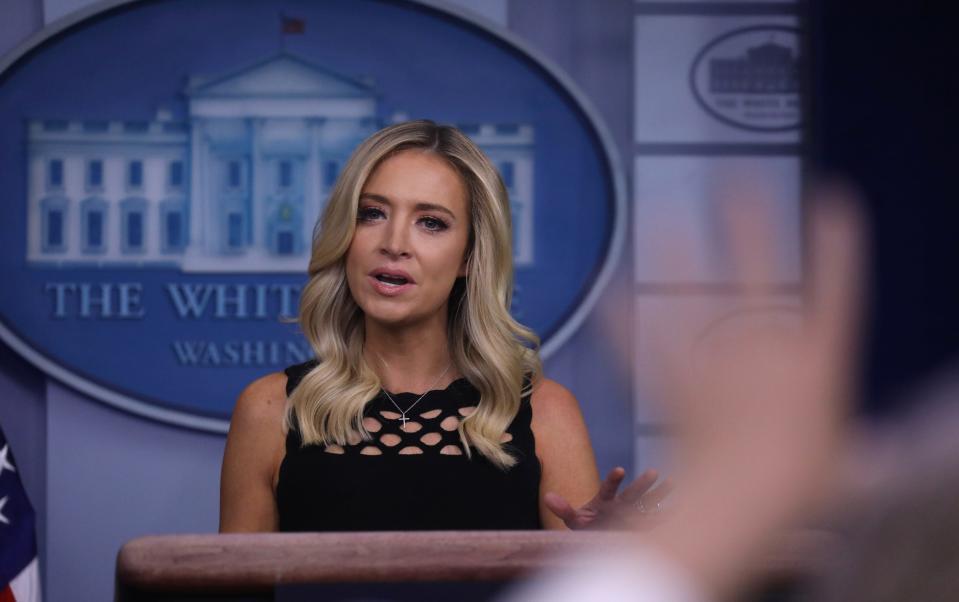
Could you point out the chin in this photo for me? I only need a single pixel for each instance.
(394, 320)
(396, 316)
(387, 313)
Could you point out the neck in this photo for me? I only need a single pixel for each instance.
(409, 359)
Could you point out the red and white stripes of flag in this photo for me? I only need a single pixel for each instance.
(19, 568)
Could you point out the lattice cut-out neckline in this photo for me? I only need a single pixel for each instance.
(426, 431)
(388, 435)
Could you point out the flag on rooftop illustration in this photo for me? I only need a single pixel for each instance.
(292, 25)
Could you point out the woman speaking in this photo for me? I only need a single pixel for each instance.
(425, 407)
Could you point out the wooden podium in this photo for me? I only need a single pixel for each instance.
(459, 565)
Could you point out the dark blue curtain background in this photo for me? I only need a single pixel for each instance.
(884, 113)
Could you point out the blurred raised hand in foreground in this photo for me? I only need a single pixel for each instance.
(757, 414)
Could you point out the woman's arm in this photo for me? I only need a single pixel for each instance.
(255, 446)
(563, 448)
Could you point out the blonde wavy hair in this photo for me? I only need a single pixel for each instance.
(494, 352)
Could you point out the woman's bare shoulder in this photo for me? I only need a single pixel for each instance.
(557, 419)
(562, 446)
(254, 450)
(552, 401)
(262, 403)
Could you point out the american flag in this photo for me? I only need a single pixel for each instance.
(19, 570)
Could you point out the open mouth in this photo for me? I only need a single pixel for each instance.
(392, 280)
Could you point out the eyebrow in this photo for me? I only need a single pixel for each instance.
(420, 206)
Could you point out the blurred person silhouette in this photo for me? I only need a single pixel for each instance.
(759, 417)
(898, 517)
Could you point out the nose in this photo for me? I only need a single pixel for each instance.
(395, 242)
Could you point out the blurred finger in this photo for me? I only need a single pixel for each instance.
(618, 302)
(657, 494)
(635, 490)
(679, 251)
(836, 266)
(751, 247)
(609, 487)
(678, 244)
(558, 505)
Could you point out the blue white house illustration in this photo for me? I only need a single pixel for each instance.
(768, 68)
(236, 186)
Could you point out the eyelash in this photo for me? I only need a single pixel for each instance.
(368, 214)
(430, 223)
(438, 224)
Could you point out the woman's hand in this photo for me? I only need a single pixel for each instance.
(608, 509)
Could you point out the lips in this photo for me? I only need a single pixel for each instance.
(392, 276)
(390, 282)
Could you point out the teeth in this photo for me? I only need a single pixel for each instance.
(391, 280)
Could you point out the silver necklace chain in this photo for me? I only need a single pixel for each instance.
(428, 389)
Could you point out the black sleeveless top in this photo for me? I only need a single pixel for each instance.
(345, 489)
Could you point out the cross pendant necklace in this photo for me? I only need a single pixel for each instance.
(403, 412)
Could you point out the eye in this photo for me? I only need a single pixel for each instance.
(433, 224)
(369, 214)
